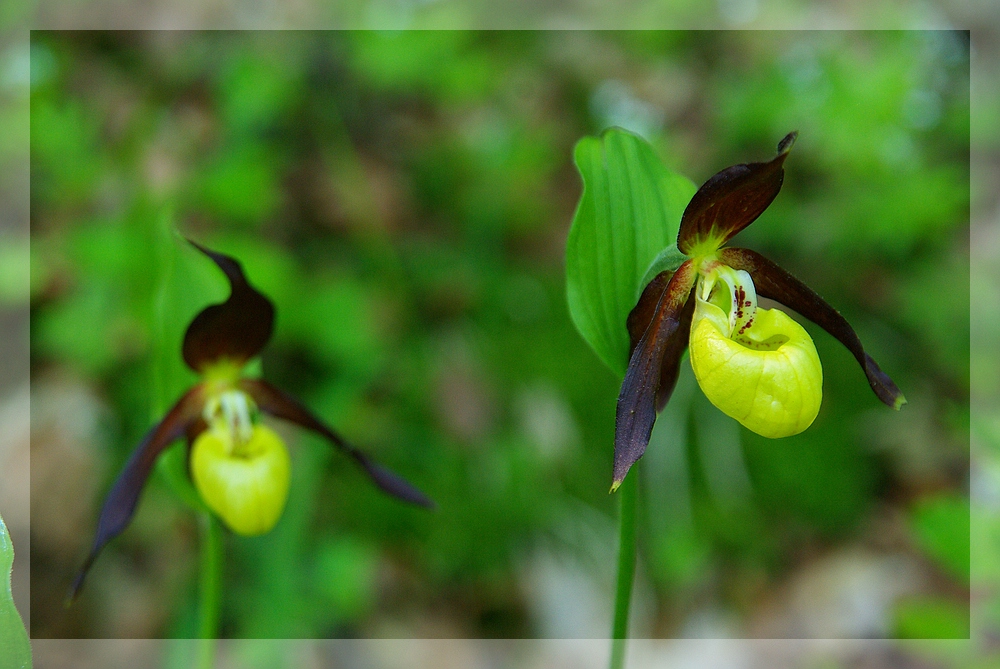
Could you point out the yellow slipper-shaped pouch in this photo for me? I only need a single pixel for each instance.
(246, 484)
(761, 369)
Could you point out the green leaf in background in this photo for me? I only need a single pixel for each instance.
(15, 649)
(628, 213)
(940, 525)
(931, 618)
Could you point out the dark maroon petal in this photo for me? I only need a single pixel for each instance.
(637, 401)
(119, 506)
(235, 330)
(775, 283)
(732, 199)
(642, 314)
(638, 321)
(281, 405)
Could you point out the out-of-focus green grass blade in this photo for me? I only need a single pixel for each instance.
(940, 525)
(628, 213)
(15, 649)
(187, 283)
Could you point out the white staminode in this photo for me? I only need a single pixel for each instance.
(229, 413)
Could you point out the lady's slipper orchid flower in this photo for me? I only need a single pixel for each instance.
(240, 468)
(756, 365)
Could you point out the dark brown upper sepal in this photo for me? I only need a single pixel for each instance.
(235, 330)
(732, 199)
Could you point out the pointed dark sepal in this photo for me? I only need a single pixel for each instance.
(638, 321)
(637, 402)
(235, 330)
(279, 404)
(732, 199)
(775, 283)
(119, 505)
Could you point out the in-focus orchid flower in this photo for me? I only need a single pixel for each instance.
(240, 467)
(756, 365)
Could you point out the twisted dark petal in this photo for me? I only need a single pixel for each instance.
(732, 199)
(775, 283)
(638, 321)
(637, 402)
(119, 506)
(281, 405)
(235, 330)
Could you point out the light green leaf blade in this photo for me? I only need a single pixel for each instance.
(15, 649)
(629, 212)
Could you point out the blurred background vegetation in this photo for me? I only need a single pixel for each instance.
(404, 198)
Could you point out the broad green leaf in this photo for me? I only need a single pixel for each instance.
(15, 649)
(669, 259)
(628, 213)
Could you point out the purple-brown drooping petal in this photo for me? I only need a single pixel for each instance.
(731, 200)
(637, 403)
(638, 321)
(281, 405)
(775, 283)
(119, 506)
(235, 330)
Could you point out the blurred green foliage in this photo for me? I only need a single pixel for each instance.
(404, 199)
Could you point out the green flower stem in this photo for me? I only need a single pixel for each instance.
(209, 589)
(628, 492)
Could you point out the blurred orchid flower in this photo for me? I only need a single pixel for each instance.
(240, 467)
(756, 365)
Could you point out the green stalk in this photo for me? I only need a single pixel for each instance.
(628, 492)
(209, 589)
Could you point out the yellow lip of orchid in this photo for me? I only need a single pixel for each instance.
(755, 365)
(246, 483)
(241, 469)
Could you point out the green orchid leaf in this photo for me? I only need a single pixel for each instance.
(629, 211)
(15, 649)
(668, 260)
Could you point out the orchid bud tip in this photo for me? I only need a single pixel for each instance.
(785, 145)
